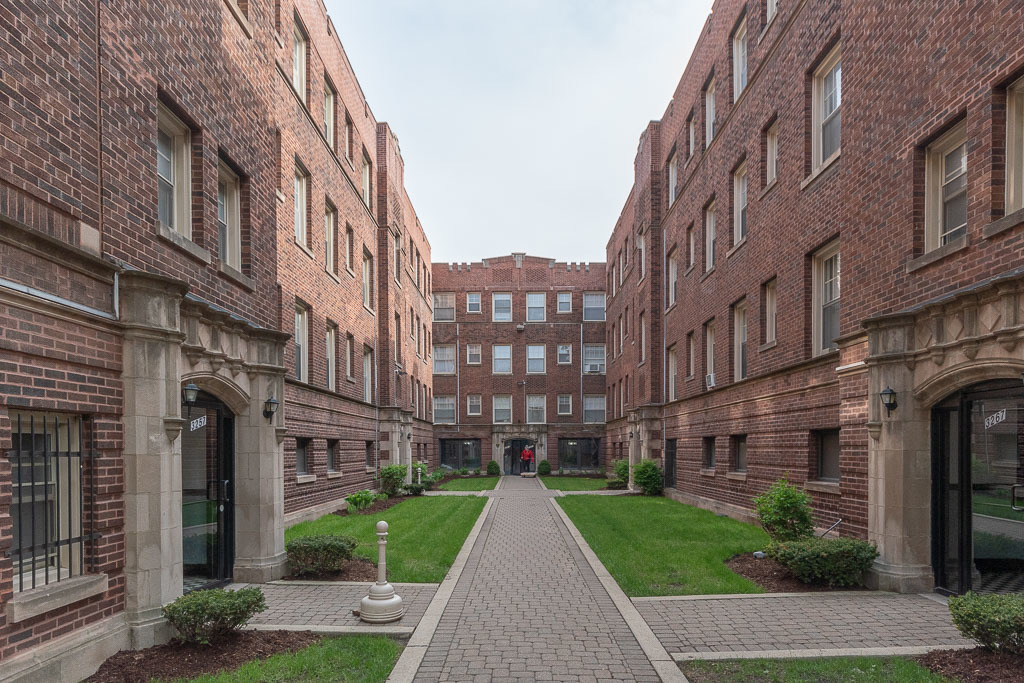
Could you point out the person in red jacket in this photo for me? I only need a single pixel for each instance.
(527, 457)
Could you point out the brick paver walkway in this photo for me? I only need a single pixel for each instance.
(808, 621)
(528, 606)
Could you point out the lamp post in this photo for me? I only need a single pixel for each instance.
(381, 605)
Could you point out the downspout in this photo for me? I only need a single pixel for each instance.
(458, 393)
(376, 377)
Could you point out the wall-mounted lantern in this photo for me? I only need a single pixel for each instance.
(270, 407)
(888, 397)
(189, 394)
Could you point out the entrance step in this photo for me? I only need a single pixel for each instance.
(528, 475)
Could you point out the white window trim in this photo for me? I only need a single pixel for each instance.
(300, 214)
(558, 354)
(739, 60)
(709, 112)
(772, 152)
(558, 404)
(330, 107)
(445, 399)
(181, 164)
(739, 338)
(820, 257)
(544, 408)
(709, 349)
(673, 278)
(673, 178)
(438, 299)
(367, 375)
(231, 253)
(935, 156)
(710, 238)
(494, 409)
(643, 338)
(604, 408)
(330, 238)
(494, 309)
(330, 355)
(691, 355)
(444, 348)
(692, 135)
(479, 303)
(771, 10)
(604, 358)
(740, 193)
(543, 307)
(479, 352)
(558, 302)
(817, 109)
(771, 311)
(302, 337)
(494, 359)
(299, 66)
(469, 405)
(671, 370)
(367, 280)
(1015, 147)
(604, 307)
(543, 359)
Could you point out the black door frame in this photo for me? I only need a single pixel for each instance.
(670, 463)
(224, 558)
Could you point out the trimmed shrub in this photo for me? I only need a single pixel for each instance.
(463, 471)
(414, 489)
(360, 500)
(649, 477)
(423, 471)
(831, 561)
(391, 479)
(319, 554)
(493, 468)
(616, 484)
(543, 467)
(203, 616)
(785, 512)
(995, 622)
(621, 469)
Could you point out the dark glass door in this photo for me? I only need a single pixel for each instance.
(207, 492)
(670, 463)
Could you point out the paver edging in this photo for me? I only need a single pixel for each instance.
(900, 651)
(303, 582)
(379, 630)
(749, 596)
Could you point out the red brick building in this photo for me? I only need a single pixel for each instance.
(519, 358)
(799, 134)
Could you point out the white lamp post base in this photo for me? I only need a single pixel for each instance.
(382, 604)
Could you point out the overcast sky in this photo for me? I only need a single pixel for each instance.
(518, 119)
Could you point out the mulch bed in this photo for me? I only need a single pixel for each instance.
(375, 506)
(175, 660)
(773, 577)
(974, 666)
(356, 569)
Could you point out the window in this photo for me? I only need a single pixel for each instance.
(771, 310)
(738, 452)
(621, 333)
(229, 218)
(593, 358)
(739, 200)
(501, 359)
(535, 307)
(48, 503)
(692, 128)
(330, 239)
(771, 8)
(564, 354)
(709, 354)
(349, 138)
(670, 377)
(473, 402)
(472, 303)
(625, 323)
(444, 359)
(739, 341)
(444, 306)
(535, 362)
(709, 237)
(946, 188)
(565, 302)
(330, 346)
(329, 98)
(642, 255)
(502, 408)
(673, 178)
(349, 247)
(367, 190)
(333, 455)
(579, 454)
(473, 354)
(398, 259)
(174, 173)
(691, 241)
(368, 374)
(673, 279)
(501, 307)
(299, 196)
(593, 306)
(536, 409)
(691, 355)
(565, 404)
(708, 452)
(367, 280)
(827, 442)
(299, 49)
(828, 96)
(1015, 147)
(739, 60)
(593, 409)
(301, 456)
(771, 153)
(301, 343)
(709, 112)
(826, 299)
(444, 410)
(349, 356)
(643, 338)
(371, 454)
(456, 454)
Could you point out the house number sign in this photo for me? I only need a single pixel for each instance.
(995, 418)
(200, 422)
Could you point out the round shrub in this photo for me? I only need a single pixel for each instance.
(203, 616)
(831, 561)
(543, 467)
(649, 477)
(414, 489)
(493, 468)
(995, 622)
(319, 554)
(360, 500)
(785, 512)
(463, 471)
(621, 469)
(391, 479)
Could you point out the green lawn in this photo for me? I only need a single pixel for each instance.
(470, 484)
(821, 670)
(574, 483)
(366, 659)
(656, 546)
(425, 535)
(995, 506)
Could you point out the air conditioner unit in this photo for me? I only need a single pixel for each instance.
(593, 367)
(709, 380)
(520, 327)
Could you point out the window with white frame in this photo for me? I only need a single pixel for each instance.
(828, 99)
(643, 338)
(640, 248)
(301, 343)
(594, 359)
(771, 9)
(536, 409)
(349, 138)
(444, 410)
(300, 194)
(299, 48)
(444, 306)
(709, 112)
(670, 373)
(691, 241)
(367, 186)
(826, 299)
(739, 340)
(771, 151)
(565, 302)
(501, 359)
(473, 404)
(501, 307)
(564, 354)
(367, 374)
(673, 177)
(622, 334)
(330, 239)
(473, 354)
(367, 280)
(691, 356)
(174, 173)
(739, 60)
(673, 279)
(565, 404)
(398, 259)
(444, 359)
(771, 310)
(1015, 147)
(350, 349)
(535, 306)
(330, 346)
(329, 101)
(739, 198)
(229, 217)
(350, 246)
(473, 302)
(502, 409)
(946, 188)
(535, 363)
(709, 353)
(692, 128)
(593, 306)
(709, 237)
(593, 409)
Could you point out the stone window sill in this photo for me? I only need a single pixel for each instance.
(1007, 222)
(707, 471)
(333, 276)
(688, 269)
(823, 486)
(768, 345)
(935, 255)
(371, 470)
(768, 188)
(736, 248)
(706, 274)
(36, 601)
(237, 277)
(334, 475)
(281, 197)
(305, 478)
(820, 171)
(369, 310)
(306, 249)
(736, 476)
(184, 243)
(240, 17)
